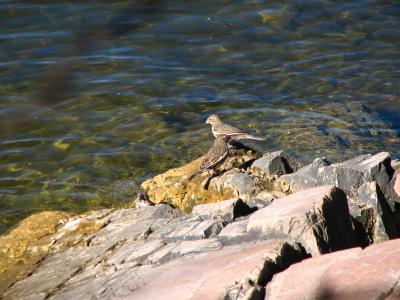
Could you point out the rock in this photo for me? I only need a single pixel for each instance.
(243, 185)
(348, 175)
(128, 245)
(135, 252)
(235, 233)
(52, 272)
(234, 272)
(131, 224)
(260, 203)
(90, 239)
(199, 246)
(383, 225)
(376, 269)
(202, 230)
(173, 228)
(264, 198)
(276, 164)
(395, 164)
(227, 210)
(226, 249)
(362, 217)
(162, 255)
(25, 244)
(304, 178)
(173, 186)
(317, 218)
(396, 184)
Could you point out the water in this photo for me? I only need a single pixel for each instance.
(298, 72)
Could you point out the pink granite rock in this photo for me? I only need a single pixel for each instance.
(372, 273)
(397, 184)
(318, 218)
(234, 271)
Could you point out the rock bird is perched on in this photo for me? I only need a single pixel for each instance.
(215, 156)
(219, 128)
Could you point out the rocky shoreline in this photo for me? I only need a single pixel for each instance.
(266, 228)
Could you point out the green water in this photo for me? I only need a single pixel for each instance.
(298, 72)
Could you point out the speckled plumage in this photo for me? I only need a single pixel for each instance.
(215, 156)
(220, 128)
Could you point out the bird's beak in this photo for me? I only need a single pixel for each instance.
(207, 121)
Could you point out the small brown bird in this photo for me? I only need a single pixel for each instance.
(219, 128)
(143, 200)
(215, 156)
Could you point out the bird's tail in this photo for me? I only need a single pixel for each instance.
(254, 137)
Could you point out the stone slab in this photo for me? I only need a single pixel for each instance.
(318, 218)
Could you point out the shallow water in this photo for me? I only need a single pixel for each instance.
(319, 78)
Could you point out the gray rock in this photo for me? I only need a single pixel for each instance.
(227, 210)
(317, 218)
(199, 246)
(236, 233)
(276, 164)
(134, 252)
(53, 272)
(233, 272)
(195, 231)
(362, 217)
(162, 255)
(264, 199)
(243, 185)
(384, 225)
(304, 178)
(348, 175)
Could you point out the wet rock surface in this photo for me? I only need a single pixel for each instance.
(264, 225)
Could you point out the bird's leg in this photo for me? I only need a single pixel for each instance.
(210, 177)
(207, 181)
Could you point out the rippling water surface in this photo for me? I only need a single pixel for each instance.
(320, 78)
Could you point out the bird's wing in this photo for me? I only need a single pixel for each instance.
(215, 155)
(227, 129)
(209, 163)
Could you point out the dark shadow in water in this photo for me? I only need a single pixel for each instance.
(58, 81)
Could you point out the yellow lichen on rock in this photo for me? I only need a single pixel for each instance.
(16, 255)
(173, 186)
(37, 236)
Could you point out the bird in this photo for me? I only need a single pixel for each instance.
(143, 200)
(215, 156)
(220, 128)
